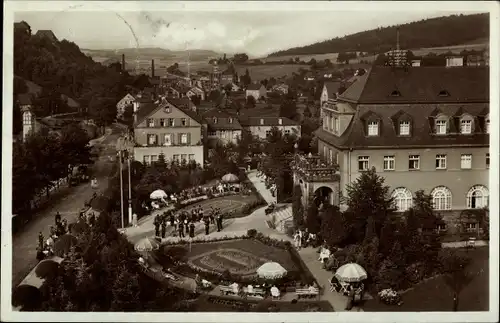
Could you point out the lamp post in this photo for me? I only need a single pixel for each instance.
(121, 186)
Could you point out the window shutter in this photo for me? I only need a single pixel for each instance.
(156, 139)
(189, 139)
(179, 138)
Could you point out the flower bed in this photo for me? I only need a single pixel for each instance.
(226, 256)
(389, 296)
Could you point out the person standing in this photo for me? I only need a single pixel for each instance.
(157, 225)
(163, 227)
(200, 213)
(212, 216)
(191, 230)
(207, 227)
(40, 240)
(219, 221)
(181, 230)
(172, 220)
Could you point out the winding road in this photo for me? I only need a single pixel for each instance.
(68, 204)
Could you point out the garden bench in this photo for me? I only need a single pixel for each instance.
(226, 290)
(307, 292)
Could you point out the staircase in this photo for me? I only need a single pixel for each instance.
(283, 217)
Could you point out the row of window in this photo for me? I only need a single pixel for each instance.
(167, 122)
(148, 159)
(229, 120)
(414, 162)
(331, 124)
(224, 135)
(286, 132)
(440, 127)
(168, 139)
(477, 197)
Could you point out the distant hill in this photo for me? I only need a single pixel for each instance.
(150, 53)
(434, 32)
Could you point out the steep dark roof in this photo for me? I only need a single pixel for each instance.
(222, 120)
(148, 109)
(268, 121)
(24, 99)
(254, 86)
(420, 85)
(184, 102)
(422, 121)
(145, 110)
(333, 87)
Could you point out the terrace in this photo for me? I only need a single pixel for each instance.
(312, 169)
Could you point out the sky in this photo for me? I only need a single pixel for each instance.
(255, 33)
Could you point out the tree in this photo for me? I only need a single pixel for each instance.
(381, 60)
(456, 274)
(333, 226)
(288, 109)
(368, 197)
(251, 102)
(246, 79)
(313, 221)
(297, 208)
(25, 183)
(240, 58)
(74, 143)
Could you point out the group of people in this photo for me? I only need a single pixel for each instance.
(46, 247)
(303, 238)
(184, 222)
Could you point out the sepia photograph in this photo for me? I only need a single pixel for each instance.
(296, 161)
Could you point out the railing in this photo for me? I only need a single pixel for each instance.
(312, 168)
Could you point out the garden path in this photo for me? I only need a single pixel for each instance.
(338, 301)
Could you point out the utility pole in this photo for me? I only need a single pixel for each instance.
(121, 187)
(129, 191)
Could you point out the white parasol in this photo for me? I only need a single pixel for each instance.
(230, 178)
(351, 273)
(158, 194)
(271, 270)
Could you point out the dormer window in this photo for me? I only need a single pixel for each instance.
(441, 126)
(444, 93)
(395, 93)
(487, 124)
(215, 119)
(404, 128)
(373, 128)
(280, 121)
(261, 121)
(466, 126)
(230, 120)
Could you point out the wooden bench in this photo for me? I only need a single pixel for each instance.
(307, 292)
(226, 290)
(257, 292)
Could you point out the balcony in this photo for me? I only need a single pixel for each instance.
(312, 169)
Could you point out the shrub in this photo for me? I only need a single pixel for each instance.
(389, 296)
(414, 273)
(252, 233)
(177, 253)
(46, 269)
(388, 276)
(27, 296)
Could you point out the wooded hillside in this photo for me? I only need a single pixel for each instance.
(435, 32)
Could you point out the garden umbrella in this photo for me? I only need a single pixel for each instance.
(271, 270)
(146, 244)
(158, 194)
(351, 273)
(230, 178)
(63, 244)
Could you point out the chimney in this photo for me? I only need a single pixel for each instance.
(152, 68)
(123, 63)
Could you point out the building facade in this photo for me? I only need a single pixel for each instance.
(222, 127)
(256, 90)
(123, 103)
(168, 129)
(424, 128)
(261, 126)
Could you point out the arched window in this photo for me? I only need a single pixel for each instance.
(402, 199)
(477, 197)
(441, 198)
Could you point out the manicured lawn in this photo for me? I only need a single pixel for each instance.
(233, 204)
(226, 304)
(241, 257)
(435, 295)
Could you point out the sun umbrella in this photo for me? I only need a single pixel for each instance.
(271, 270)
(146, 244)
(63, 244)
(350, 273)
(158, 194)
(230, 178)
